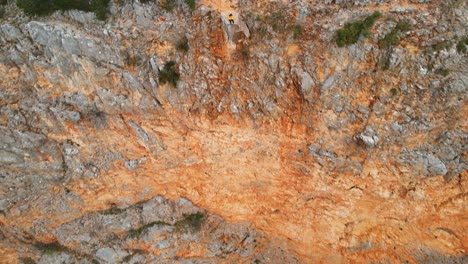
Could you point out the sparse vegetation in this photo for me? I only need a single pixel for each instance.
(394, 91)
(27, 261)
(2, 12)
(242, 52)
(351, 32)
(132, 60)
(279, 21)
(461, 45)
(169, 74)
(50, 248)
(3, 2)
(191, 222)
(135, 233)
(182, 44)
(449, 5)
(444, 72)
(297, 30)
(40, 7)
(443, 45)
(191, 3)
(167, 5)
(112, 211)
(262, 31)
(393, 38)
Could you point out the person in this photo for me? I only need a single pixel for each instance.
(231, 19)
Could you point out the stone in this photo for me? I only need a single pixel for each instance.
(369, 137)
(109, 255)
(423, 164)
(306, 83)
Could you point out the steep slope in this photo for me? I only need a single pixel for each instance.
(292, 149)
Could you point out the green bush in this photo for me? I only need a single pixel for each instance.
(167, 5)
(50, 248)
(394, 91)
(35, 7)
(99, 7)
(169, 74)
(71, 4)
(351, 32)
(3, 2)
(393, 38)
(297, 30)
(191, 222)
(370, 20)
(444, 72)
(191, 3)
(45, 7)
(182, 44)
(27, 260)
(461, 45)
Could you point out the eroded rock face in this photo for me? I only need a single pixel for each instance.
(284, 147)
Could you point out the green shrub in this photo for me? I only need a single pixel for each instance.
(297, 30)
(277, 21)
(262, 31)
(167, 5)
(370, 20)
(99, 7)
(393, 38)
(45, 7)
(394, 91)
(50, 248)
(191, 3)
(461, 45)
(444, 72)
(351, 32)
(191, 222)
(71, 4)
(3, 2)
(182, 44)
(35, 7)
(169, 74)
(27, 261)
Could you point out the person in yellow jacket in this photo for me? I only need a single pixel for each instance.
(231, 19)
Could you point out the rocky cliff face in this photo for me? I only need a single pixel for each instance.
(275, 146)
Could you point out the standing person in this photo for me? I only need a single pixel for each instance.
(231, 19)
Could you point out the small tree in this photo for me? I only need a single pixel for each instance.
(351, 32)
(99, 7)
